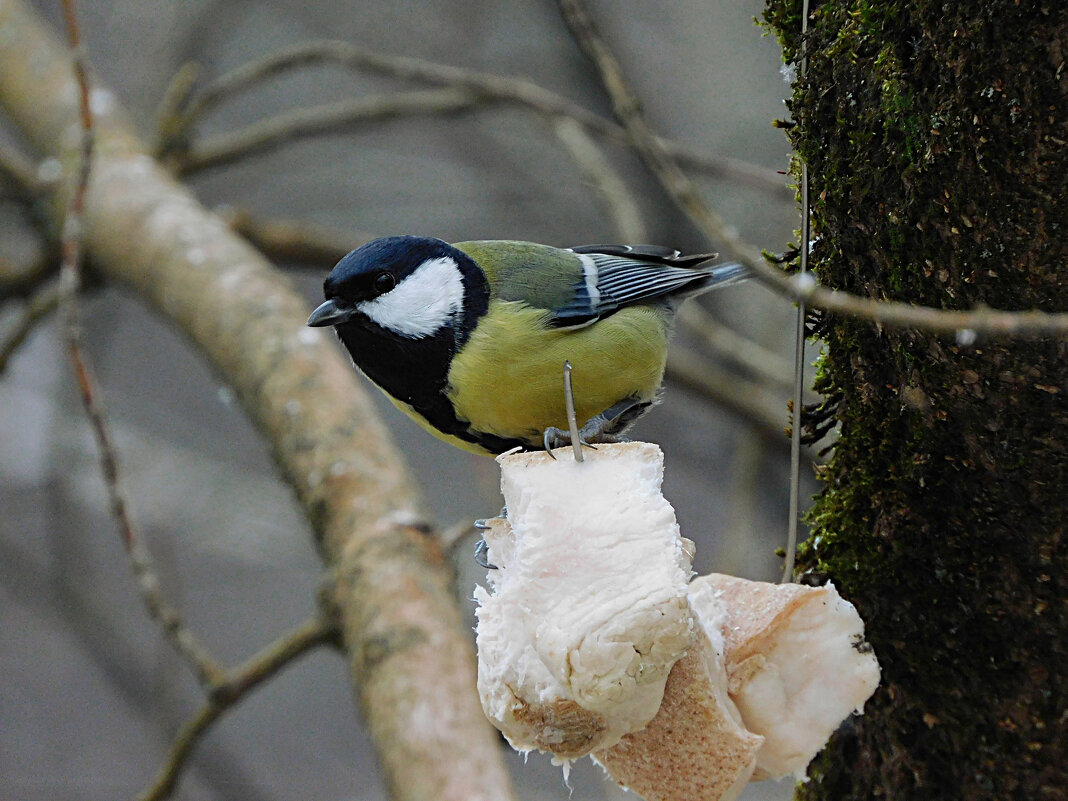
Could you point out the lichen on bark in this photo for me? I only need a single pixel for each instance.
(936, 137)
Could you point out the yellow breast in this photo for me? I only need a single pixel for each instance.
(507, 380)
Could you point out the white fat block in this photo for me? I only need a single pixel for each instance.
(586, 612)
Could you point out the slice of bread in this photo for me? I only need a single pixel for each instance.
(797, 664)
(695, 749)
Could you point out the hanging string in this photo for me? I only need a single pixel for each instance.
(799, 351)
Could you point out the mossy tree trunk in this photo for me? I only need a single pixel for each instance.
(936, 135)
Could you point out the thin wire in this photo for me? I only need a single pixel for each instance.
(572, 420)
(799, 353)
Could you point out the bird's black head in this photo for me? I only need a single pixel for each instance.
(410, 286)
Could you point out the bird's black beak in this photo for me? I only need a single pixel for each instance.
(329, 313)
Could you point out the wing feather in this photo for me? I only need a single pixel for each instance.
(624, 275)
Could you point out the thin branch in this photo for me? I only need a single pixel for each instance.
(171, 129)
(964, 325)
(226, 689)
(318, 120)
(19, 174)
(41, 304)
(604, 178)
(184, 742)
(725, 342)
(71, 240)
(231, 688)
(627, 109)
(23, 279)
(488, 85)
(297, 242)
(728, 344)
(663, 164)
(749, 399)
(19, 177)
(205, 667)
(68, 288)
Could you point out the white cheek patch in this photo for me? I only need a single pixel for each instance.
(421, 304)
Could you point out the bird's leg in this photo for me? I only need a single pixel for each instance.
(482, 547)
(608, 426)
(482, 555)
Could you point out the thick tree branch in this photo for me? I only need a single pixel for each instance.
(412, 666)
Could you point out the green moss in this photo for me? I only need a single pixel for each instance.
(934, 135)
(784, 21)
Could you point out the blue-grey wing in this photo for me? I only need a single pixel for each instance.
(616, 276)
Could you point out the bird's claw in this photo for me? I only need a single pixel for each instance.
(558, 438)
(482, 554)
(482, 547)
(602, 428)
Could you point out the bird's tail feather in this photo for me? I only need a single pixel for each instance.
(719, 276)
(728, 273)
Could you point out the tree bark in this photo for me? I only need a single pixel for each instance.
(412, 665)
(936, 137)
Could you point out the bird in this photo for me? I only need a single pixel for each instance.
(469, 339)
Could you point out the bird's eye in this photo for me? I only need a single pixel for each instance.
(384, 282)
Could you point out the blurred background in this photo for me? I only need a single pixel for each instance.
(90, 694)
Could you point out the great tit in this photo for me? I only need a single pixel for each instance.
(470, 339)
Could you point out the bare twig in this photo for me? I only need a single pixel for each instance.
(23, 279)
(72, 233)
(749, 399)
(488, 85)
(663, 164)
(278, 130)
(225, 689)
(171, 129)
(42, 303)
(604, 178)
(69, 282)
(728, 344)
(767, 366)
(228, 690)
(20, 181)
(964, 325)
(627, 109)
(297, 242)
(19, 175)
